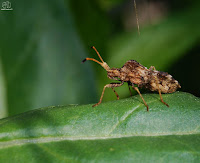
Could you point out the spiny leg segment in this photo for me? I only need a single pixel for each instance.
(111, 85)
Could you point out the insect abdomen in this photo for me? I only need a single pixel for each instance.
(163, 81)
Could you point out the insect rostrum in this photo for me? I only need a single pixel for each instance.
(136, 74)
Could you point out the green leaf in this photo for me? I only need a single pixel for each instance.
(115, 131)
(40, 57)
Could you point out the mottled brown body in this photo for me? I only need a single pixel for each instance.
(136, 74)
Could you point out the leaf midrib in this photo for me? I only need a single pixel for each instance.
(10, 143)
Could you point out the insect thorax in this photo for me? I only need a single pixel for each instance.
(114, 73)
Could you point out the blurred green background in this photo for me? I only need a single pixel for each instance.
(43, 42)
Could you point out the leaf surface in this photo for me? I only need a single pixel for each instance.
(114, 131)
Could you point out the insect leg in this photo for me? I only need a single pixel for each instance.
(129, 89)
(162, 98)
(111, 85)
(159, 91)
(136, 88)
(115, 93)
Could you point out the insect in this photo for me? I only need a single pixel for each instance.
(134, 73)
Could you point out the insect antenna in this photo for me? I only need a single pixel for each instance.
(91, 59)
(102, 63)
(97, 53)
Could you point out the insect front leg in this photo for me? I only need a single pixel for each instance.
(111, 85)
(136, 88)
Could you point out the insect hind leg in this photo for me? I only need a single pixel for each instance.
(162, 98)
(159, 90)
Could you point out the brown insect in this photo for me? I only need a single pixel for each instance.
(136, 74)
